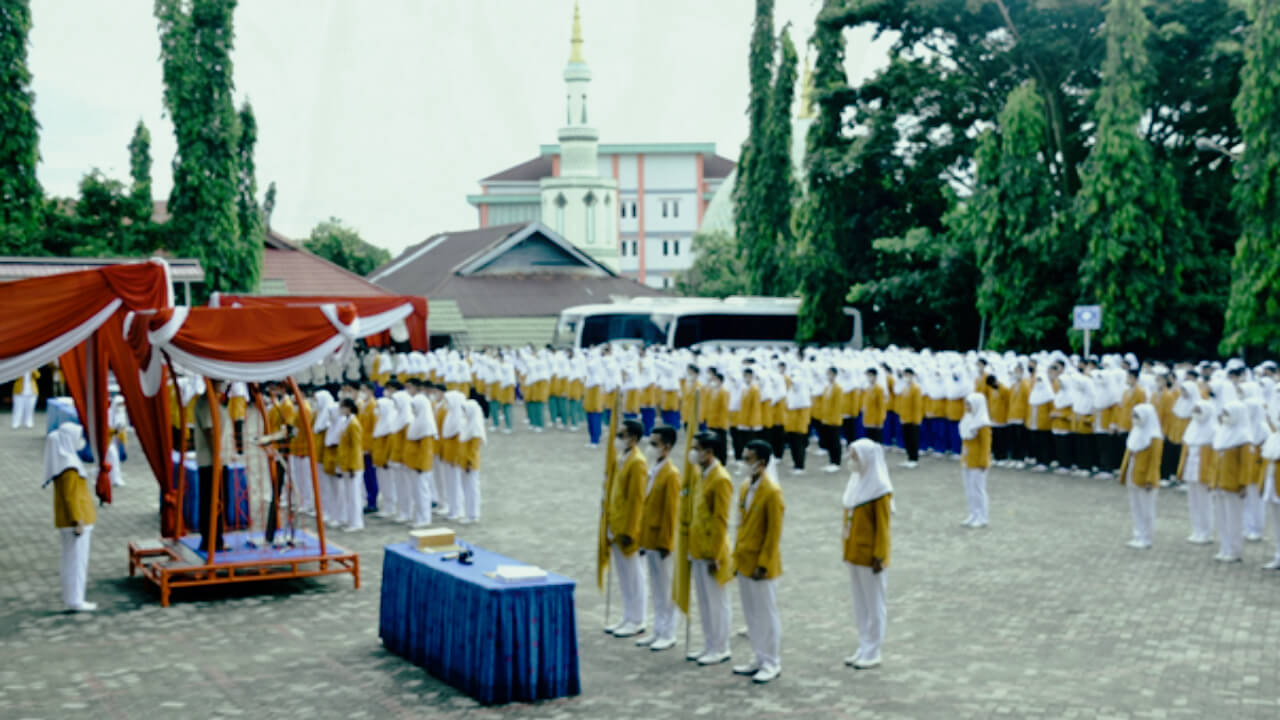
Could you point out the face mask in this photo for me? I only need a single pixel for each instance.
(695, 457)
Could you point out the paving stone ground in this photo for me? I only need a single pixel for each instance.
(1044, 615)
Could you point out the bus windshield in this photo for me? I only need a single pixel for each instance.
(636, 327)
(750, 328)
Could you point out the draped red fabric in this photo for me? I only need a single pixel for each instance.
(85, 372)
(416, 323)
(253, 334)
(40, 310)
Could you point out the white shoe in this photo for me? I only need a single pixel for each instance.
(350, 529)
(506, 431)
(750, 668)
(766, 674)
(421, 526)
(852, 660)
(467, 521)
(628, 630)
(646, 641)
(831, 469)
(1273, 565)
(663, 644)
(867, 663)
(713, 658)
(611, 628)
(913, 464)
(693, 656)
(904, 464)
(979, 524)
(797, 471)
(83, 607)
(1135, 543)
(968, 522)
(1253, 537)
(455, 518)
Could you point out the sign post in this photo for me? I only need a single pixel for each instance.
(1087, 318)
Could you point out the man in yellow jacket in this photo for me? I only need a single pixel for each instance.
(625, 513)
(757, 560)
(657, 537)
(709, 556)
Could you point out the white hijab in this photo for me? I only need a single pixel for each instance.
(1257, 422)
(323, 416)
(424, 420)
(337, 425)
(453, 402)
(1041, 390)
(384, 410)
(1203, 425)
(873, 482)
(1271, 448)
(1146, 428)
(1188, 395)
(975, 416)
(62, 451)
(404, 411)
(472, 422)
(1234, 432)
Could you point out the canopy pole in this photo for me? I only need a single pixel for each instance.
(304, 418)
(182, 445)
(215, 420)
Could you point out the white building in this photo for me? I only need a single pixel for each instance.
(633, 207)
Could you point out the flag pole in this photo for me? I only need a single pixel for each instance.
(603, 546)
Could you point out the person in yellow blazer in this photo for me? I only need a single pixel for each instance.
(797, 412)
(717, 404)
(384, 411)
(658, 534)
(471, 438)
(1231, 443)
(367, 418)
(690, 389)
(975, 457)
(238, 411)
(757, 561)
(419, 460)
(709, 556)
(1270, 456)
(830, 420)
(750, 415)
(25, 394)
(868, 504)
(1197, 467)
(73, 512)
(624, 513)
(1140, 472)
(350, 466)
(1019, 416)
(911, 411)
(874, 406)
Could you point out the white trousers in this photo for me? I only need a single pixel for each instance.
(764, 626)
(869, 608)
(1255, 516)
(445, 498)
(713, 608)
(1229, 508)
(1200, 507)
(330, 500)
(300, 469)
(1273, 509)
(75, 564)
(422, 498)
(387, 486)
(630, 585)
(352, 490)
(664, 606)
(24, 410)
(471, 492)
(437, 486)
(113, 459)
(975, 492)
(1142, 506)
(454, 489)
(406, 478)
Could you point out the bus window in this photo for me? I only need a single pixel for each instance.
(702, 328)
(600, 329)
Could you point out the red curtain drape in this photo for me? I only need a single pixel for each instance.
(416, 323)
(252, 334)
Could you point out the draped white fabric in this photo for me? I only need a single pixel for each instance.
(12, 368)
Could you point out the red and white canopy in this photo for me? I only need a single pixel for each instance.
(377, 313)
(249, 344)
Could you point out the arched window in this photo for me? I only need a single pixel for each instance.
(584, 109)
(560, 203)
(568, 109)
(590, 201)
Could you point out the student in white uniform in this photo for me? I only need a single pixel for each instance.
(657, 536)
(1231, 442)
(1270, 496)
(24, 399)
(1140, 473)
(1197, 470)
(868, 504)
(471, 438)
(73, 511)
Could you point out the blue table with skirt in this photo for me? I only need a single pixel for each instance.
(497, 642)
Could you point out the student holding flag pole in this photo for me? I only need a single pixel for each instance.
(688, 489)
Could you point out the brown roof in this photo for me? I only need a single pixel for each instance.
(305, 273)
(527, 171)
(716, 166)
(431, 268)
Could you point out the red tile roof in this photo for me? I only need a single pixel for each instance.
(305, 273)
(527, 171)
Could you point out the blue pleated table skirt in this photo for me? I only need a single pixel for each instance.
(496, 642)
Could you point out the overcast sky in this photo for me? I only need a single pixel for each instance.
(386, 113)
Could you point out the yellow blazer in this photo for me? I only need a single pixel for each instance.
(912, 405)
(760, 531)
(72, 502)
(1146, 464)
(20, 385)
(751, 415)
(351, 448)
(625, 508)
(469, 454)
(1233, 466)
(419, 455)
(380, 451)
(237, 408)
(873, 407)
(717, 412)
(976, 452)
(1018, 402)
(709, 530)
(866, 532)
(1208, 464)
(658, 530)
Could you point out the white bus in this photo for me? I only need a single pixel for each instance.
(692, 322)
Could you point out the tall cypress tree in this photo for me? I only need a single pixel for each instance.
(20, 193)
(771, 269)
(1126, 202)
(1027, 280)
(196, 38)
(1253, 313)
(248, 214)
(824, 213)
(140, 173)
(749, 199)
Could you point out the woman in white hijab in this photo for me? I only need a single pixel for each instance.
(1140, 472)
(335, 503)
(73, 511)
(1255, 517)
(384, 412)
(1196, 470)
(1270, 456)
(419, 463)
(1231, 443)
(450, 484)
(470, 439)
(868, 498)
(975, 457)
(398, 437)
(322, 416)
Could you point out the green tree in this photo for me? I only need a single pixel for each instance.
(140, 173)
(1253, 314)
(100, 217)
(756, 240)
(718, 268)
(196, 38)
(1028, 283)
(343, 246)
(21, 198)
(1127, 205)
(772, 271)
(269, 204)
(248, 215)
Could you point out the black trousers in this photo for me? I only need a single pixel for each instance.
(1169, 459)
(1018, 449)
(273, 512)
(829, 435)
(1086, 454)
(849, 429)
(911, 438)
(874, 433)
(777, 439)
(206, 507)
(739, 443)
(1063, 450)
(799, 443)
(999, 442)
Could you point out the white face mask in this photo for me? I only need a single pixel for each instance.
(695, 457)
